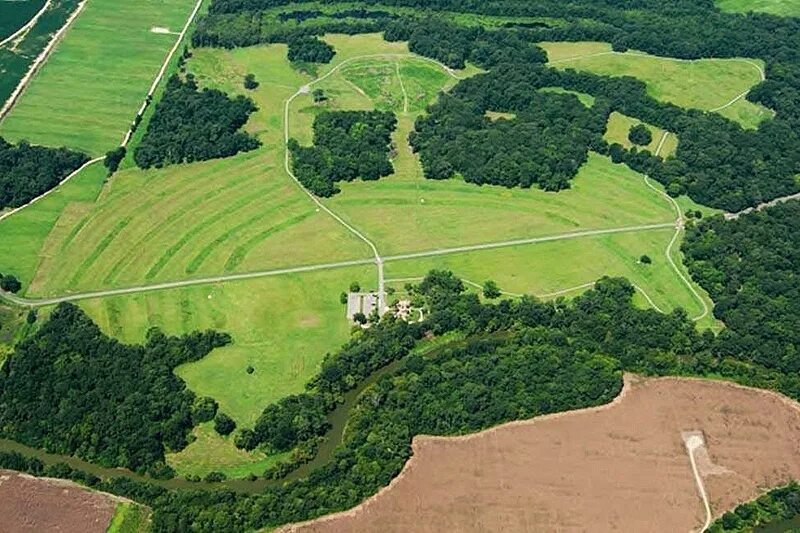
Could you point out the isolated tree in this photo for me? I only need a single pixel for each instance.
(491, 290)
(250, 82)
(318, 95)
(223, 424)
(645, 260)
(355, 287)
(32, 316)
(640, 134)
(360, 318)
(343, 298)
(10, 283)
(114, 158)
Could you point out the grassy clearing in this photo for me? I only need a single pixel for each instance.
(97, 98)
(703, 84)
(585, 99)
(211, 452)
(282, 326)
(129, 518)
(547, 268)
(619, 126)
(786, 8)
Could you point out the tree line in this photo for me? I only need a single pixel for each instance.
(347, 145)
(27, 171)
(190, 124)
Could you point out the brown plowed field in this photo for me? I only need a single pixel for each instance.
(29, 504)
(620, 467)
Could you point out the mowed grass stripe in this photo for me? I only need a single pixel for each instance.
(101, 246)
(182, 210)
(197, 260)
(196, 230)
(98, 75)
(240, 253)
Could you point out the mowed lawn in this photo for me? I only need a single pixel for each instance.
(568, 267)
(705, 84)
(787, 8)
(619, 126)
(88, 92)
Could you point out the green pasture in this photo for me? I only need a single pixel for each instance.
(585, 99)
(619, 126)
(787, 8)
(97, 76)
(564, 268)
(281, 325)
(706, 84)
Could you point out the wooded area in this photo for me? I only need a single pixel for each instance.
(347, 145)
(194, 125)
(27, 171)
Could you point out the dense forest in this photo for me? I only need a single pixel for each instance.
(194, 125)
(717, 162)
(511, 359)
(69, 389)
(27, 171)
(545, 144)
(768, 510)
(751, 268)
(347, 145)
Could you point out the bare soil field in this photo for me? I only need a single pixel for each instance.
(622, 466)
(36, 504)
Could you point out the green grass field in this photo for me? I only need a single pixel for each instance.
(705, 84)
(550, 269)
(787, 8)
(97, 76)
(619, 126)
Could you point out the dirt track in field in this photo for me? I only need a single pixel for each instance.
(29, 504)
(620, 467)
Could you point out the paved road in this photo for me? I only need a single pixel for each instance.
(763, 205)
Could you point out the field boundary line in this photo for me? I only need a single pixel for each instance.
(28, 25)
(402, 86)
(163, 70)
(58, 186)
(40, 59)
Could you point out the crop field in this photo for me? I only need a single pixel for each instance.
(16, 13)
(619, 125)
(29, 504)
(514, 467)
(707, 84)
(787, 8)
(98, 74)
